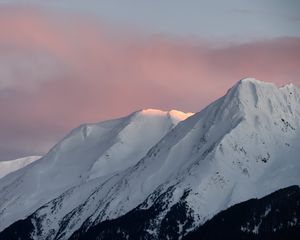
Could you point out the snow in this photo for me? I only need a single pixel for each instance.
(135, 140)
(88, 152)
(253, 152)
(244, 145)
(294, 222)
(9, 166)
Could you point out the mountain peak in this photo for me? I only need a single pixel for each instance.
(258, 94)
(252, 80)
(175, 115)
(152, 111)
(242, 146)
(250, 85)
(249, 81)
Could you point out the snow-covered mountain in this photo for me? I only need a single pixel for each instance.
(9, 166)
(92, 151)
(244, 145)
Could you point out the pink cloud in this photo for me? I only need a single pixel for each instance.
(58, 72)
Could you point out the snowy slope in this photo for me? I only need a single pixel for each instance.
(244, 145)
(9, 166)
(88, 152)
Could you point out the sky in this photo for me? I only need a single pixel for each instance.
(64, 63)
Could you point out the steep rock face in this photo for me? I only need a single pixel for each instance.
(92, 151)
(244, 145)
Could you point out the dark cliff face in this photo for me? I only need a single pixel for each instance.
(276, 216)
(139, 223)
(20, 230)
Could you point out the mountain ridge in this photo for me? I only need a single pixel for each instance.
(9, 166)
(225, 154)
(49, 173)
